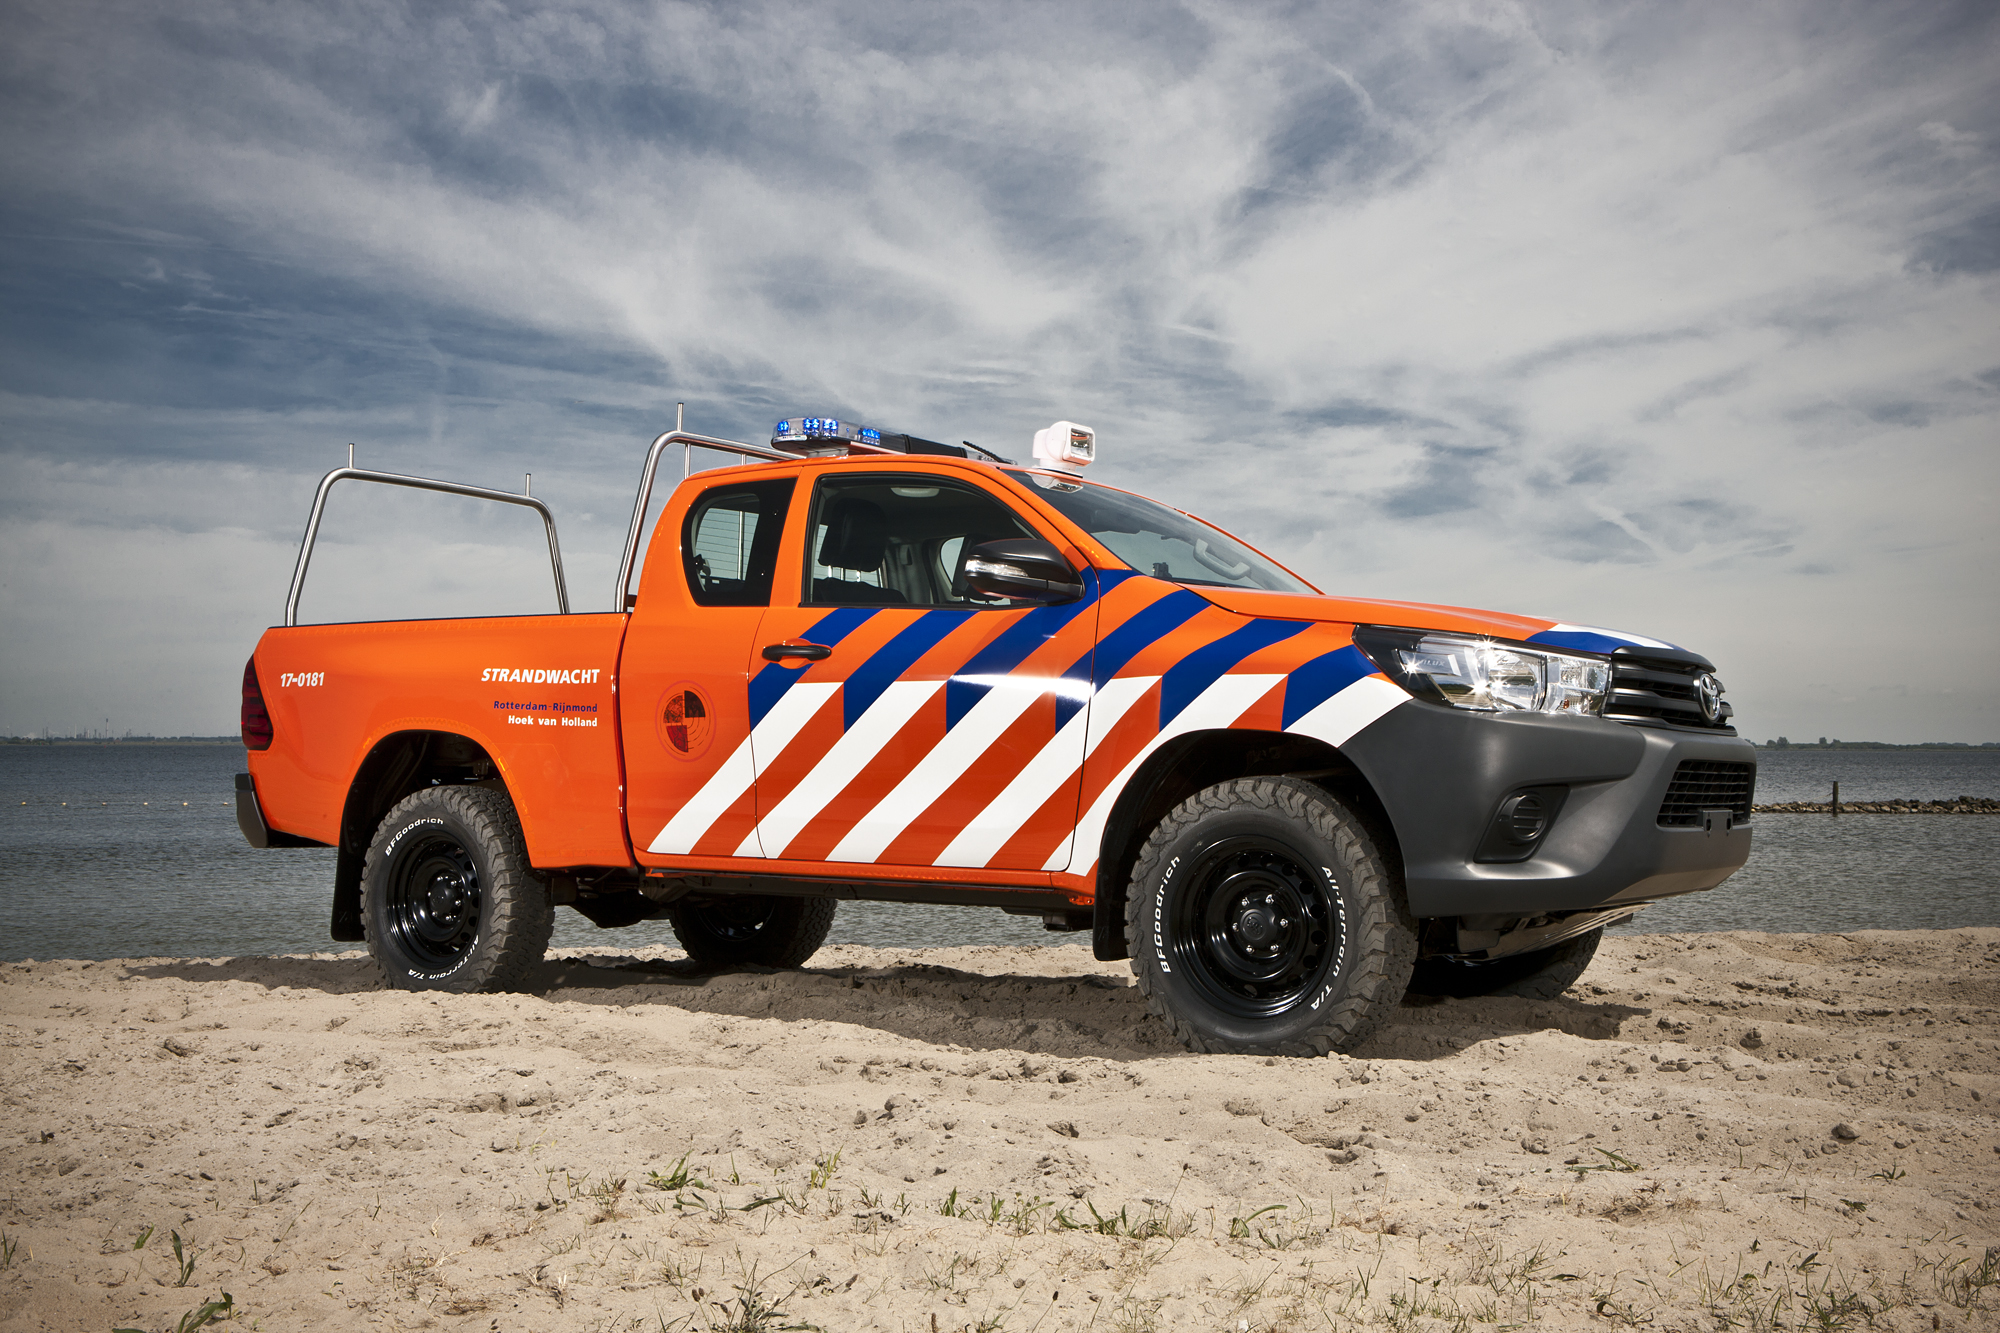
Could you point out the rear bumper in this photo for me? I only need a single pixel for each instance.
(1442, 774)
(250, 819)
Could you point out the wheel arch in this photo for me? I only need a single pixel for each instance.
(396, 765)
(1186, 765)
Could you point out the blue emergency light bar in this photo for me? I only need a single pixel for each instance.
(816, 436)
(795, 431)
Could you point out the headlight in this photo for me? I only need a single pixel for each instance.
(1484, 675)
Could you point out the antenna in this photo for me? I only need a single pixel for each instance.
(680, 414)
(350, 454)
(528, 486)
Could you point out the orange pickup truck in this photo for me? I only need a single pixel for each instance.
(876, 667)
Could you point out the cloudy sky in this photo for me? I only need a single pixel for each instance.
(1683, 318)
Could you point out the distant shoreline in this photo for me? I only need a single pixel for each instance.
(122, 740)
(1882, 745)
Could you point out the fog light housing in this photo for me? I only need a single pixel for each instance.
(1520, 824)
(1524, 818)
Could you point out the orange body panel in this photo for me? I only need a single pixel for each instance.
(954, 744)
(335, 691)
(1373, 611)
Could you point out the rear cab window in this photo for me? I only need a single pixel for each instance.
(730, 539)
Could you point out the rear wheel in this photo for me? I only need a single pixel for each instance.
(1263, 920)
(752, 928)
(448, 901)
(1541, 975)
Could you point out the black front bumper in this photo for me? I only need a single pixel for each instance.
(1442, 774)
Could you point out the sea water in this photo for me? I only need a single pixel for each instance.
(122, 851)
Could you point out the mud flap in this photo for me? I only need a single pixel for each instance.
(1107, 925)
(346, 924)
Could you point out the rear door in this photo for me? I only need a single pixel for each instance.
(688, 654)
(905, 720)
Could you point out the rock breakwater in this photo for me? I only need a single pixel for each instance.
(1958, 805)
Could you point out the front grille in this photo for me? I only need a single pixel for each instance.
(1658, 690)
(1707, 784)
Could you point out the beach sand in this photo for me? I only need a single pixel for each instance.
(1709, 1130)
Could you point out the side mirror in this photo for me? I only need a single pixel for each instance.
(1024, 569)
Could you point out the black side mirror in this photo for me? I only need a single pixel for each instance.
(1024, 569)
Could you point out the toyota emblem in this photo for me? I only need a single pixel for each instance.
(1710, 691)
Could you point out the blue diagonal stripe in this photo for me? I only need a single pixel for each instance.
(1201, 668)
(1139, 633)
(1011, 648)
(866, 682)
(769, 685)
(1584, 641)
(1115, 649)
(1069, 701)
(1322, 678)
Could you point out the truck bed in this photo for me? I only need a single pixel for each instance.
(536, 692)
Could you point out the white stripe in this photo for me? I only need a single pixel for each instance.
(1337, 720)
(982, 725)
(720, 792)
(1056, 763)
(730, 781)
(1221, 704)
(830, 776)
(1111, 705)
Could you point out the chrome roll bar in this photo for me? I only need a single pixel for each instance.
(621, 598)
(352, 473)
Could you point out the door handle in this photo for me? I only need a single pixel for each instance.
(811, 652)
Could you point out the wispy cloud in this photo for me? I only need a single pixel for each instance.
(1683, 320)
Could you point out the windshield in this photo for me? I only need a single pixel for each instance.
(1156, 540)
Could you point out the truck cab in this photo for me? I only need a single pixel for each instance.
(858, 666)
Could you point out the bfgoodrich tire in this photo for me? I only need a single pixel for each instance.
(1263, 920)
(752, 928)
(1541, 975)
(448, 900)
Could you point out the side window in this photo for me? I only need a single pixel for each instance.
(900, 541)
(729, 543)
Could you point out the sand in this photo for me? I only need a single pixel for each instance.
(1723, 1130)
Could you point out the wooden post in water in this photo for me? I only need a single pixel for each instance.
(1836, 800)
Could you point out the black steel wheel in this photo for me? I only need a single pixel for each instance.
(1255, 928)
(759, 929)
(1263, 920)
(1541, 975)
(448, 901)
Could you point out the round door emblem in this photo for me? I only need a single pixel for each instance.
(1710, 691)
(687, 722)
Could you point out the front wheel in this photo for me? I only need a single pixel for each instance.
(448, 901)
(752, 928)
(1263, 920)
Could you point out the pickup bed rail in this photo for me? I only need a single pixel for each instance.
(352, 473)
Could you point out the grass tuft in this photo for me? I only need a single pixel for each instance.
(201, 1316)
(677, 1177)
(185, 1258)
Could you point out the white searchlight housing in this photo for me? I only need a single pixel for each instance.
(1065, 445)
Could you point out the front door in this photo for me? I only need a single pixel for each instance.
(900, 718)
(688, 654)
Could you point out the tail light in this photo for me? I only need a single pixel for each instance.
(256, 717)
